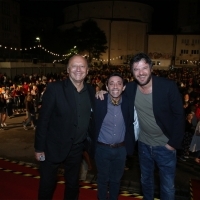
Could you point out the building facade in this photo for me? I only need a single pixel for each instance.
(10, 28)
(180, 50)
(125, 24)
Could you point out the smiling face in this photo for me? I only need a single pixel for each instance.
(115, 87)
(77, 69)
(142, 72)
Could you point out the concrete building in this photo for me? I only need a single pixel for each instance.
(125, 24)
(9, 29)
(180, 50)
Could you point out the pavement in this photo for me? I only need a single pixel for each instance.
(17, 144)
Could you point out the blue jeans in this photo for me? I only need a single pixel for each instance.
(166, 162)
(110, 164)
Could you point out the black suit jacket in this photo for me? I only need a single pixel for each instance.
(58, 120)
(100, 113)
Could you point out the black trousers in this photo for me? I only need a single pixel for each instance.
(48, 175)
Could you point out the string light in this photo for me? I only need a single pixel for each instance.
(52, 53)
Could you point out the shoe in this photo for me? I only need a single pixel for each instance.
(182, 158)
(4, 124)
(25, 128)
(34, 127)
(186, 157)
(1, 124)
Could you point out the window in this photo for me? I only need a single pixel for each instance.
(183, 62)
(195, 51)
(184, 51)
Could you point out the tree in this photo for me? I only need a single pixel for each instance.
(91, 40)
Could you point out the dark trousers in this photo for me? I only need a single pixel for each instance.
(48, 175)
(110, 164)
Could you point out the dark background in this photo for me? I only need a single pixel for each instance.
(164, 15)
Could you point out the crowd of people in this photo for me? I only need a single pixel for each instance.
(168, 113)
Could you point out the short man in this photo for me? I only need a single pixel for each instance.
(114, 138)
(62, 129)
(161, 125)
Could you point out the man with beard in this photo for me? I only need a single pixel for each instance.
(161, 125)
(114, 137)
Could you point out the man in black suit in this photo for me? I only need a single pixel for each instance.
(62, 129)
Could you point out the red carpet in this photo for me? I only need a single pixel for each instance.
(19, 181)
(195, 186)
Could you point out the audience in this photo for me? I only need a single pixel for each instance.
(15, 90)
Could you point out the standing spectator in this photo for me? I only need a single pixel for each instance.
(9, 104)
(35, 95)
(3, 114)
(189, 132)
(195, 143)
(25, 87)
(30, 109)
(62, 129)
(41, 96)
(197, 111)
(16, 98)
(22, 100)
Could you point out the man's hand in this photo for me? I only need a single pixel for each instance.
(169, 147)
(38, 155)
(100, 94)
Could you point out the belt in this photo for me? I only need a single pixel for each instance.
(112, 145)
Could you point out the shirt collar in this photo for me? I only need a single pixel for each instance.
(110, 100)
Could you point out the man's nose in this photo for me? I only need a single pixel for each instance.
(78, 68)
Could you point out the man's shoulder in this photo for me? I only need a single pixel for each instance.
(162, 80)
(99, 101)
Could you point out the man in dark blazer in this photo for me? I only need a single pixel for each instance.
(161, 119)
(62, 129)
(114, 137)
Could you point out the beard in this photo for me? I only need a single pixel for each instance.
(145, 83)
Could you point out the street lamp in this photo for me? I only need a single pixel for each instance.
(38, 39)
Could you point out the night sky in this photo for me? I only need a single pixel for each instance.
(163, 17)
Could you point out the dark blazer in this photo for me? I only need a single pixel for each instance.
(167, 108)
(100, 113)
(58, 120)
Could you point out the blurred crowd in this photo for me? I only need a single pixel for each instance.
(24, 93)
